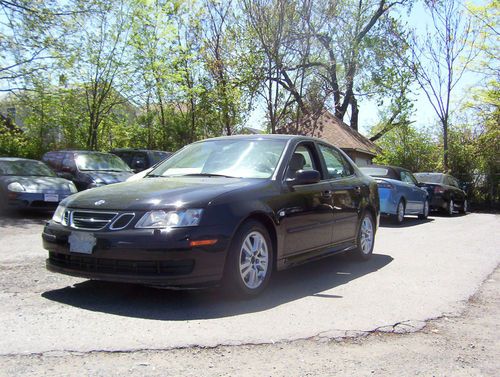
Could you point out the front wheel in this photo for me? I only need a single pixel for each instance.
(366, 237)
(250, 260)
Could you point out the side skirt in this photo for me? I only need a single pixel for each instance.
(315, 254)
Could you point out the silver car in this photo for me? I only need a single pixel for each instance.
(31, 184)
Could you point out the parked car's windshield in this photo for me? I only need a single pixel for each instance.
(375, 172)
(429, 178)
(227, 157)
(100, 161)
(25, 168)
(158, 156)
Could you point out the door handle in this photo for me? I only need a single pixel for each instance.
(326, 194)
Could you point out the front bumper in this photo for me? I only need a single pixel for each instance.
(42, 201)
(143, 256)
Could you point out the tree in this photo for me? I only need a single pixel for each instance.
(32, 38)
(276, 25)
(407, 147)
(440, 58)
(349, 33)
(100, 57)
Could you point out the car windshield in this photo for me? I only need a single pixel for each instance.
(240, 158)
(100, 161)
(159, 156)
(376, 172)
(429, 178)
(25, 168)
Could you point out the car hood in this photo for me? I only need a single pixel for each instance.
(150, 193)
(37, 184)
(108, 177)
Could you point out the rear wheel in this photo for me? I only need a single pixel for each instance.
(250, 260)
(366, 238)
(450, 207)
(425, 212)
(400, 213)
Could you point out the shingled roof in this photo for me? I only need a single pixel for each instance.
(336, 132)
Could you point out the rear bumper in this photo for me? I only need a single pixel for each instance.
(143, 256)
(437, 202)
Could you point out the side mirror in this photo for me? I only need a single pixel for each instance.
(305, 177)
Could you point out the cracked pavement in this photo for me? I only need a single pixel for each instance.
(420, 271)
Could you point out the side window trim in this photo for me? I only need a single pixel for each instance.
(343, 161)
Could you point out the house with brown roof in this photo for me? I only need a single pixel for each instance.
(328, 127)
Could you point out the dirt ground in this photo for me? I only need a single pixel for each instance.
(463, 345)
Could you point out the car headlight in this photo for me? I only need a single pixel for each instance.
(58, 216)
(16, 187)
(72, 188)
(164, 219)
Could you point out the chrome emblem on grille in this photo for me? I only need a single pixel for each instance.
(99, 202)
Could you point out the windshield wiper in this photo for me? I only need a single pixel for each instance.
(207, 175)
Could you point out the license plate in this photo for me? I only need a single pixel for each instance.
(81, 242)
(51, 197)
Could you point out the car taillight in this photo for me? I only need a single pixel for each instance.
(384, 184)
(438, 190)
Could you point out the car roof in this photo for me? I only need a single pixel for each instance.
(137, 150)
(433, 173)
(76, 151)
(17, 159)
(268, 137)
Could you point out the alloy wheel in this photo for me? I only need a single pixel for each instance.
(366, 236)
(254, 260)
(401, 212)
(451, 205)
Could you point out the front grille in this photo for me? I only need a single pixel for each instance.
(91, 220)
(119, 266)
(42, 204)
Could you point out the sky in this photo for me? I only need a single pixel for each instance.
(424, 114)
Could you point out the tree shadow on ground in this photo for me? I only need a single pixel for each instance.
(313, 279)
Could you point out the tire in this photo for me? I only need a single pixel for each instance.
(425, 213)
(366, 238)
(465, 207)
(249, 263)
(399, 217)
(449, 207)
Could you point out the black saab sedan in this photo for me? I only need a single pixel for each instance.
(227, 210)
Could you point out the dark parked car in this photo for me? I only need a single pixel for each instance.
(228, 210)
(140, 159)
(399, 192)
(31, 184)
(88, 169)
(444, 192)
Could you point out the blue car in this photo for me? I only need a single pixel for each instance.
(400, 193)
(31, 184)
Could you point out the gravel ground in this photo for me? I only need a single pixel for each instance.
(421, 306)
(463, 345)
